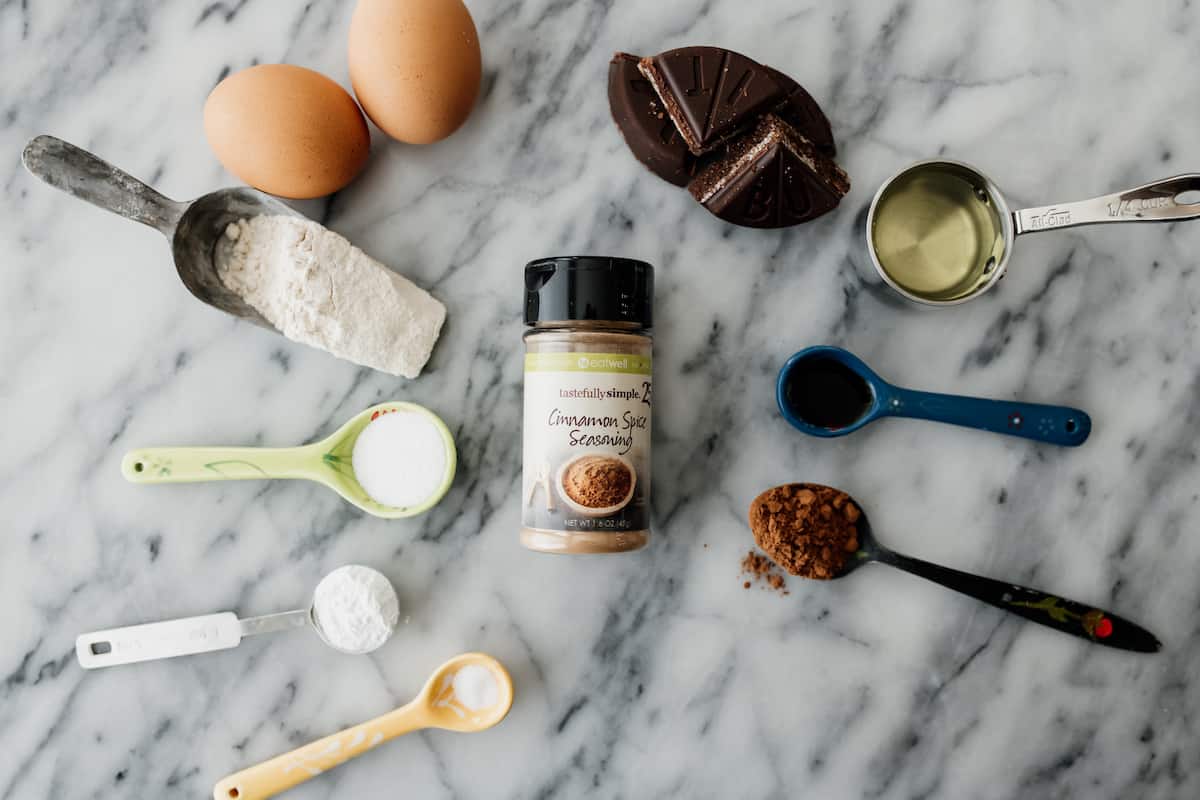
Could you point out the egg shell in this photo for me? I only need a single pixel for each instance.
(286, 130)
(415, 66)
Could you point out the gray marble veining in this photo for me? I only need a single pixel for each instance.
(656, 674)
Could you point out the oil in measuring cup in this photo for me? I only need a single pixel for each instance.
(936, 233)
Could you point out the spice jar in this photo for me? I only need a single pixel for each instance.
(586, 468)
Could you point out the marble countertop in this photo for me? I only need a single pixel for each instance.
(648, 675)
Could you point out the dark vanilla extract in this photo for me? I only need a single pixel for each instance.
(826, 393)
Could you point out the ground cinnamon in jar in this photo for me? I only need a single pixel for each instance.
(808, 530)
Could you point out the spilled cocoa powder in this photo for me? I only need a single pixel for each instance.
(598, 481)
(763, 569)
(807, 529)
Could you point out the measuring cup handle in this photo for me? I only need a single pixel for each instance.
(1059, 425)
(77, 172)
(177, 637)
(1153, 202)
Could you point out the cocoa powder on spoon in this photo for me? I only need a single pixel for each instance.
(806, 529)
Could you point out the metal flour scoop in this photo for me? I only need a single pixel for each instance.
(195, 230)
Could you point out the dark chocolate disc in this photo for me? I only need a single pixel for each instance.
(710, 93)
(645, 124)
(750, 143)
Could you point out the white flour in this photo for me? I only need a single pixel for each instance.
(320, 290)
(356, 609)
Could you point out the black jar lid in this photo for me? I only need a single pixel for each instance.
(593, 288)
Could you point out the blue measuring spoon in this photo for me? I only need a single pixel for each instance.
(827, 391)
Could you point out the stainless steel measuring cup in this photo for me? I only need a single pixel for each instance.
(195, 230)
(940, 232)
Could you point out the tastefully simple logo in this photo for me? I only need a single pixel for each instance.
(1134, 206)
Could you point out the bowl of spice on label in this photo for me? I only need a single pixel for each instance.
(596, 484)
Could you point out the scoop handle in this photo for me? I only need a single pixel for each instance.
(177, 637)
(1068, 616)
(1059, 425)
(283, 772)
(77, 172)
(201, 464)
(1157, 201)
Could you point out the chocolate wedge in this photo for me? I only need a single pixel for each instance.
(642, 118)
(710, 93)
(773, 177)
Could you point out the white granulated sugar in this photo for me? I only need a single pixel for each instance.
(320, 290)
(476, 687)
(355, 608)
(400, 459)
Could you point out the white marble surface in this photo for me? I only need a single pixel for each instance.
(647, 675)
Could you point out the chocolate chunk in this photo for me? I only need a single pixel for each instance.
(643, 121)
(771, 178)
(802, 112)
(710, 93)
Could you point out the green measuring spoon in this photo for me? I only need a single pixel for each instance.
(327, 462)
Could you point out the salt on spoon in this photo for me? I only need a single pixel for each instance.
(476, 687)
(400, 458)
(354, 610)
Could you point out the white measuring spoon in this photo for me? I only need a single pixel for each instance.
(204, 634)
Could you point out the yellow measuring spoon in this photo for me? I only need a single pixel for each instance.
(328, 462)
(437, 706)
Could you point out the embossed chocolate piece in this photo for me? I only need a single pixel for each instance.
(771, 178)
(710, 93)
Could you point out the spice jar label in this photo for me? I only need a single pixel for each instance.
(587, 442)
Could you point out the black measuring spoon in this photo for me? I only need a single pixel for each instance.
(827, 391)
(1068, 616)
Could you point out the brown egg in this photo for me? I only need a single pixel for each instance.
(286, 130)
(415, 66)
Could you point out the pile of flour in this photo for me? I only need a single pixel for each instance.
(318, 289)
(356, 609)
